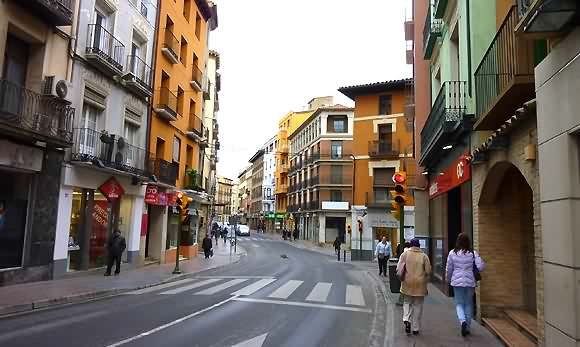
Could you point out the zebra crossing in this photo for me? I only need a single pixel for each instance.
(290, 292)
(247, 238)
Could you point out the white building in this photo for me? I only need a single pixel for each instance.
(269, 181)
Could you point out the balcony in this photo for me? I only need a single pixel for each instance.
(54, 12)
(314, 205)
(431, 31)
(170, 47)
(206, 89)
(27, 114)
(504, 79)
(283, 148)
(138, 76)
(446, 120)
(313, 158)
(439, 7)
(166, 108)
(377, 199)
(104, 51)
(383, 149)
(283, 168)
(540, 19)
(196, 78)
(108, 151)
(196, 131)
(315, 180)
(281, 189)
(163, 171)
(410, 104)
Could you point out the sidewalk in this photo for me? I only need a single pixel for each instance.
(36, 295)
(439, 324)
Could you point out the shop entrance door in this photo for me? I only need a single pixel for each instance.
(14, 190)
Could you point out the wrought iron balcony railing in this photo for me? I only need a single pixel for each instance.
(167, 105)
(447, 112)
(384, 149)
(55, 12)
(110, 151)
(431, 31)
(196, 127)
(439, 7)
(170, 46)
(504, 79)
(104, 49)
(163, 170)
(139, 76)
(196, 78)
(28, 113)
(314, 205)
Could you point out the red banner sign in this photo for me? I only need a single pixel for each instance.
(155, 197)
(456, 174)
(112, 190)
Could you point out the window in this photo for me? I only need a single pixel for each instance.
(335, 195)
(89, 135)
(337, 124)
(180, 95)
(383, 176)
(336, 150)
(183, 51)
(187, 9)
(176, 149)
(197, 26)
(385, 104)
(131, 132)
(336, 174)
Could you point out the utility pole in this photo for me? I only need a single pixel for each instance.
(402, 225)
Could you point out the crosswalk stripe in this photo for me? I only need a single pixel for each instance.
(254, 287)
(190, 287)
(161, 286)
(320, 292)
(354, 295)
(286, 290)
(223, 286)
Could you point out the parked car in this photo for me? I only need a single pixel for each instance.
(243, 230)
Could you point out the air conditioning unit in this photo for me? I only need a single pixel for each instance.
(61, 89)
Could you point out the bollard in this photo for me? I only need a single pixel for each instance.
(344, 256)
(338, 254)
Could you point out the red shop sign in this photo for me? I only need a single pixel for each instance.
(112, 190)
(152, 195)
(456, 174)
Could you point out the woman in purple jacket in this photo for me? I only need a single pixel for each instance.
(460, 276)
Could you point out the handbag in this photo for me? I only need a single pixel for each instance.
(476, 273)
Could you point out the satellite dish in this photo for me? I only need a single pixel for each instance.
(61, 89)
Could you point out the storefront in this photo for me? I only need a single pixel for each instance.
(450, 213)
(92, 204)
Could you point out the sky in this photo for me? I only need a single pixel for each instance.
(276, 55)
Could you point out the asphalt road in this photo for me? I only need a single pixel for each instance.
(306, 299)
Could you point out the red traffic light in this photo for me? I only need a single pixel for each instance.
(179, 195)
(399, 178)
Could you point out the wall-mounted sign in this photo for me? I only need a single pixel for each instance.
(454, 175)
(112, 189)
(335, 205)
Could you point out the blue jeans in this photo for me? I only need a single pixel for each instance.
(464, 303)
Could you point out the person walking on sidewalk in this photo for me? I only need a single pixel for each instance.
(337, 243)
(462, 263)
(115, 248)
(413, 269)
(383, 253)
(207, 246)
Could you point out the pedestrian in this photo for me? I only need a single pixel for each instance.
(225, 234)
(337, 243)
(115, 247)
(413, 270)
(207, 246)
(462, 275)
(383, 253)
(296, 233)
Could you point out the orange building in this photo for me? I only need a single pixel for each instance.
(178, 138)
(382, 145)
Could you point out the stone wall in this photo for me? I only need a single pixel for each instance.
(496, 208)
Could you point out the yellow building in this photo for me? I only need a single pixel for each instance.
(178, 137)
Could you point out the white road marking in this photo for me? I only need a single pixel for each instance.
(256, 246)
(286, 290)
(320, 292)
(227, 277)
(220, 287)
(190, 287)
(354, 295)
(257, 341)
(254, 287)
(170, 324)
(304, 304)
(161, 286)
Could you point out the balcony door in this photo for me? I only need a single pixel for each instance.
(385, 138)
(15, 69)
(88, 134)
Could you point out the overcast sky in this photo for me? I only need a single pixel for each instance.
(276, 55)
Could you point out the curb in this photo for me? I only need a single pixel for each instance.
(12, 310)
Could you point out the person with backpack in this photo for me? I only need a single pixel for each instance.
(462, 273)
(413, 270)
(115, 248)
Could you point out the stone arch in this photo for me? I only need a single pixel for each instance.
(506, 240)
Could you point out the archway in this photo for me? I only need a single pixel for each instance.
(506, 241)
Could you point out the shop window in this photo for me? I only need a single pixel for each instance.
(172, 229)
(14, 190)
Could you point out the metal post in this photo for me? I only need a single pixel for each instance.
(344, 256)
(402, 225)
(177, 271)
(360, 234)
(235, 235)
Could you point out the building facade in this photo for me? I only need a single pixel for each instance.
(320, 174)
(382, 145)
(36, 127)
(178, 138)
(269, 184)
(223, 200)
(244, 186)
(256, 213)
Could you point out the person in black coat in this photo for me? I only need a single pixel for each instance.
(207, 246)
(115, 248)
(337, 243)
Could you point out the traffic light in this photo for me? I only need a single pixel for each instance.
(182, 203)
(348, 229)
(399, 193)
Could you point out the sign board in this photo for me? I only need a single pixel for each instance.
(335, 205)
(456, 174)
(152, 194)
(112, 189)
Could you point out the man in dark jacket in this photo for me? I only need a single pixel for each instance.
(207, 246)
(337, 243)
(115, 248)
